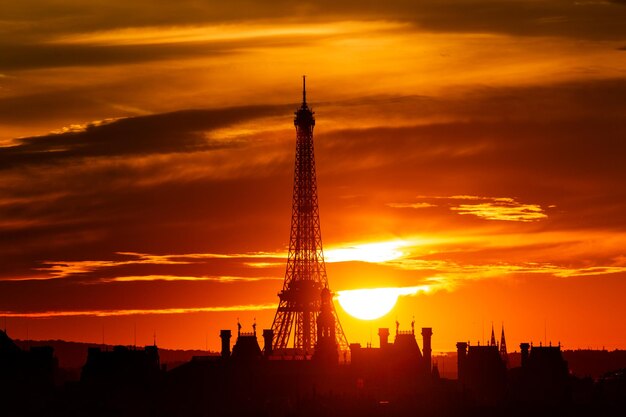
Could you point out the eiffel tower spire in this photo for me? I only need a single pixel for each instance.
(305, 276)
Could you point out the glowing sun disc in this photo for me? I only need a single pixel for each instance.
(368, 304)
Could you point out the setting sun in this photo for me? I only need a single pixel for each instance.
(373, 303)
(368, 304)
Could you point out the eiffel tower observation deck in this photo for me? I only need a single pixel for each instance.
(295, 322)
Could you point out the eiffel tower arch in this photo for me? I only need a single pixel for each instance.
(295, 322)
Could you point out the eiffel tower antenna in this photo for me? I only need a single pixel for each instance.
(295, 322)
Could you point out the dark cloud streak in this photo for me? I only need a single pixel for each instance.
(587, 20)
(180, 131)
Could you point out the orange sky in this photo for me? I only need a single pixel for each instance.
(472, 148)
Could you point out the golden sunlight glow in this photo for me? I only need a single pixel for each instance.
(222, 32)
(368, 252)
(370, 304)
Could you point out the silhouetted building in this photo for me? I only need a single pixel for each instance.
(383, 334)
(482, 373)
(268, 339)
(123, 381)
(396, 367)
(225, 335)
(27, 377)
(326, 350)
(246, 346)
(121, 365)
(251, 381)
(543, 377)
(35, 367)
(461, 357)
(524, 353)
(427, 333)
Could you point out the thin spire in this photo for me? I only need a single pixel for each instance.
(503, 353)
(304, 90)
(492, 342)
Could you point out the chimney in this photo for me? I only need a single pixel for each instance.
(461, 352)
(383, 334)
(427, 333)
(225, 335)
(524, 348)
(268, 340)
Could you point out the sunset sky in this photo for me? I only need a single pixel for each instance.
(471, 157)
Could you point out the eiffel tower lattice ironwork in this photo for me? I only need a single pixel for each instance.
(305, 276)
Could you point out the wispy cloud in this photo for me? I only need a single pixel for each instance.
(454, 271)
(136, 312)
(488, 208)
(64, 269)
(507, 211)
(159, 35)
(188, 278)
(411, 205)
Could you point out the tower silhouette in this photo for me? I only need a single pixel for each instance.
(503, 353)
(305, 275)
(492, 342)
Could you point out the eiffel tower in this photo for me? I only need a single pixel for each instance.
(305, 276)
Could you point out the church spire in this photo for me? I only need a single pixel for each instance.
(492, 342)
(503, 354)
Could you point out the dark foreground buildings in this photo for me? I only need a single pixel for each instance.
(396, 378)
(27, 377)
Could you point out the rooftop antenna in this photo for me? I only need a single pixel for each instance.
(545, 331)
(154, 338)
(304, 90)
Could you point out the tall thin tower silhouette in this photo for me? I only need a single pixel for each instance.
(305, 275)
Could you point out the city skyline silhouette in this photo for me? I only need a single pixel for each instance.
(469, 164)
